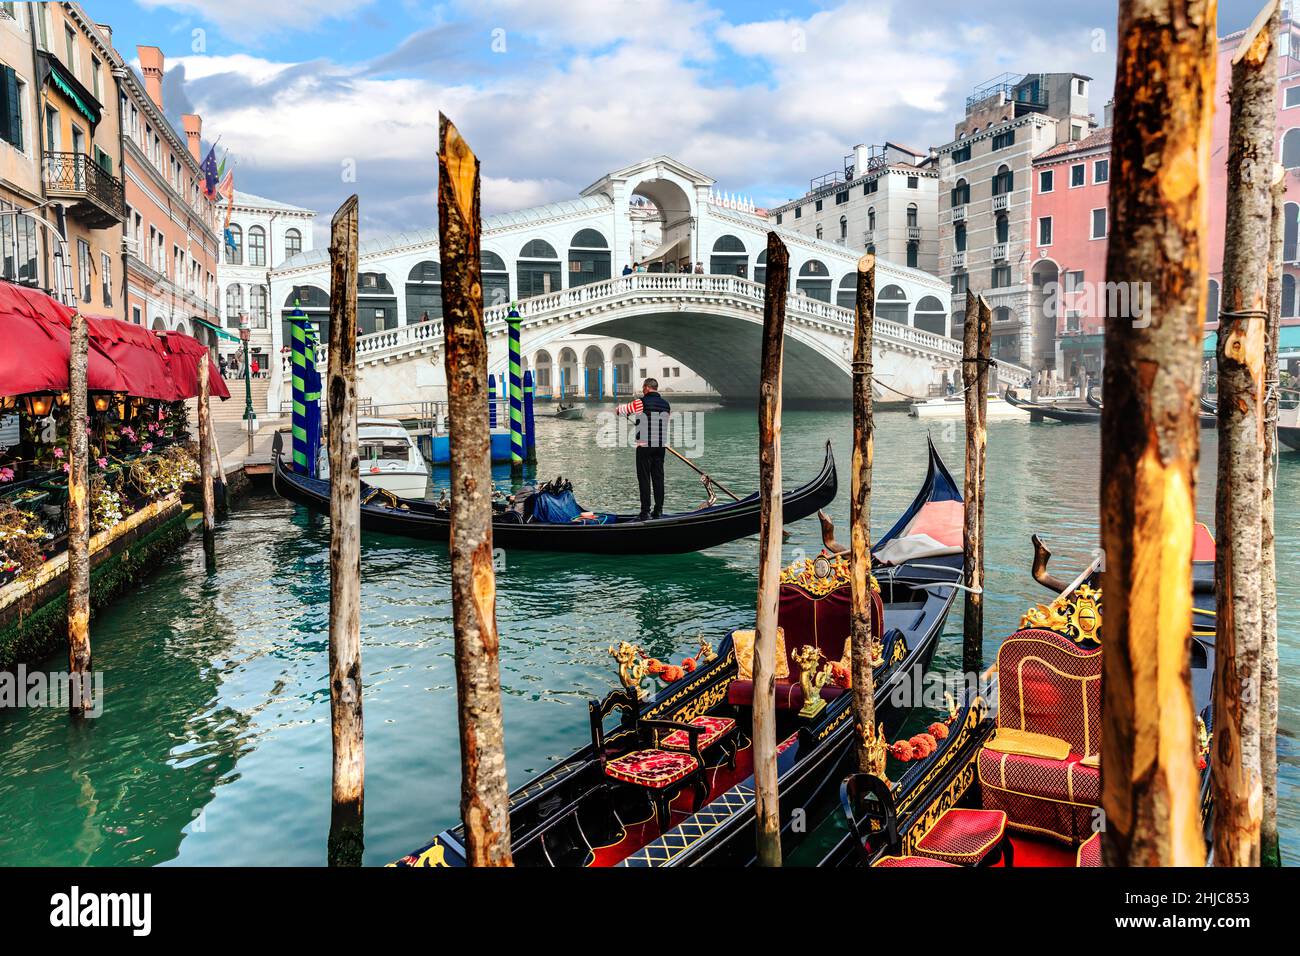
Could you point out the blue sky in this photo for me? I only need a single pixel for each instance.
(319, 98)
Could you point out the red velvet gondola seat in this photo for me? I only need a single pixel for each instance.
(1041, 767)
(715, 728)
(651, 768)
(964, 837)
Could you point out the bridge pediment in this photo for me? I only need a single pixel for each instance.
(658, 167)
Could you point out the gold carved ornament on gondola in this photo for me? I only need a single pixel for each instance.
(917, 747)
(1076, 615)
(634, 665)
(821, 575)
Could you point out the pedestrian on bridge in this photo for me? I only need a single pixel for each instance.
(651, 412)
(627, 270)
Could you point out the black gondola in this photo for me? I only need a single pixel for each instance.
(1289, 435)
(1070, 416)
(1209, 414)
(1020, 788)
(608, 534)
(691, 802)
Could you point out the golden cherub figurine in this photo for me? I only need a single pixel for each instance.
(811, 679)
(707, 653)
(631, 669)
(877, 749)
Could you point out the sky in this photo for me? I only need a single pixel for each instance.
(317, 99)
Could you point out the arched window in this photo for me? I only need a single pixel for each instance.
(622, 359)
(871, 218)
(257, 306)
(542, 371)
(1288, 295)
(292, 243)
(256, 246)
(760, 267)
(235, 247)
(961, 193)
(424, 292)
(891, 304)
(1003, 180)
(1002, 228)
(911, 215)
(538, 269)
(1290, 220)
(729, 258)
(844, 228)
(234, 304)
(496, 280)
(1291, 149)
(846, 296)
(1212, 303)
(589, 259)
(931, 315)
(159, 324)
(814, 280)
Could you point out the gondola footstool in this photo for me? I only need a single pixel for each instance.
(967, 838)
(714, 730)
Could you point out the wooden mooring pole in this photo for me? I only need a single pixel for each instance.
(1150, 430)
(80, 689)
(860, 624)
(205, 465)
(484, 793)
(767, 808)
(1270, 853)
(346, 840)
(1235, 756)
(976, 358)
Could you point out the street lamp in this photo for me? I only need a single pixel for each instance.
(250, 416)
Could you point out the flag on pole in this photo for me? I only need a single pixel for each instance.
(210, 174)
(227, 191)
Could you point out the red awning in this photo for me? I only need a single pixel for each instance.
(34, 351)
(183, 352)
(139, 355)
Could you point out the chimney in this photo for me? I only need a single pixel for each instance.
(193, 124)
(151, 65)
(107, 30)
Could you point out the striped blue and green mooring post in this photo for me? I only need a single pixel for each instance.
(306, 394)
(492, 401)
(530, 423)
(517, 453)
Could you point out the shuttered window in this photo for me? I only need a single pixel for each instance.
(11, 107)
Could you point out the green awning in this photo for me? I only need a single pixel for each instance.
(66, 88)
(222, 333)
(1077, 343)
(1288, 342)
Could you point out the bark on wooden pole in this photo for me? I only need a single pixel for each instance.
(484, 793)
(1269, 849)
(1235, 761)
(864, 689)
(205, 465)
(1150, 430)
(767, 808)
(346, 827)
(975, 377)
(80, 690)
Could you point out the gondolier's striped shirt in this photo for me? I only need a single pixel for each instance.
(653, 412)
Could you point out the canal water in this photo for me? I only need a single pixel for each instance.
(214, 743)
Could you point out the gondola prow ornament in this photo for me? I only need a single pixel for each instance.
(811, 679)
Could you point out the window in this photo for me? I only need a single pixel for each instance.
(256, 246)
(959, 237)
(136, 317)
(70, 39)
(11, 107)
(913, 182)
(1072, 321)
(841, 197)
(844, 228)
(1045, 231)
(961, 193)
(18, 248)
(1076, 175)
(1001, 277)
(779, 218)
(870, 187)
(1291, 97)
(84, 268)
(257, 306)
(106, 277)
(1002, 228)
(1074, 281)
(1045, 181)
(960, 283)
(819, 230)
(912, 250)
(1098, 224)
(962, 154)
(234, 304)
(235, 247)
(1004, 139)
(53, 131)
(1291, 149)
(94, 79)
(1081, 87)
(1003, 180)
(798, 212)
(871, 218)
(819, 205)
(911, 215)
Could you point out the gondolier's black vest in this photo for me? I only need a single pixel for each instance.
(652, 422)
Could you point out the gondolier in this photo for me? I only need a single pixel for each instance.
(651, 414)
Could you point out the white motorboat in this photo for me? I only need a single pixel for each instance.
(955, 407)
(388, 458)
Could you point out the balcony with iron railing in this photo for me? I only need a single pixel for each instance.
(97, 196)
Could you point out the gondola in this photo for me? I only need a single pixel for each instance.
(667, 780)
(1020, 787)
(600, 534)
(1289, 435)
(1070, 416)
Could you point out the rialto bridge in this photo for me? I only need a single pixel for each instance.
(561, 264)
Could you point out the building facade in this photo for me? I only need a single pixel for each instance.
(20, 161)
(264, 234)
(591, 367)
(986, 229)
(885, 201)
(170, 249)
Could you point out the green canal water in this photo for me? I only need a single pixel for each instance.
(214, 743)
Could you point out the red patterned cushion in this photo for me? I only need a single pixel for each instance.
(1065, 780)
(1090, 851)
(651, 768)
(963, 836)
(897, 861)
(714, 728)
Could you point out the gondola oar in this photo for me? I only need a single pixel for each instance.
(708, 479)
